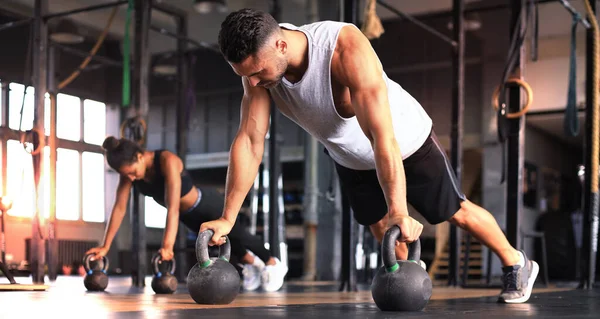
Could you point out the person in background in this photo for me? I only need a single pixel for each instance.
(160, 174)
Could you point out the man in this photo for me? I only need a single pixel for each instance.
(326, 77)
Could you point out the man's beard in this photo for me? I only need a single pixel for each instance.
(272, 84)
(282, 66)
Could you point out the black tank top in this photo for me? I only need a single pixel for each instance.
(156, 187)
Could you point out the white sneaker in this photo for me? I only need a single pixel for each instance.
(251, 276)
(273, 275)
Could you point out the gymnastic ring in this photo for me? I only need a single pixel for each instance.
(524, 110)
(41, 137)
(130, 122)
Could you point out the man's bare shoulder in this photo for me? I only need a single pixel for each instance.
(352, 49)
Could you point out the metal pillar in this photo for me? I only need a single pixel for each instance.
(310, 205)
(348, 273)
(516, 136)
(5, 116)
(140, 81)
(311, 185)
(40, 71)
(590, 199)
(458, 107)
(51, 232)
(181, 139)
(3, 164)
(275, 217)
(274, 166)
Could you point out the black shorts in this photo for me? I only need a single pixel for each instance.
(431, 187)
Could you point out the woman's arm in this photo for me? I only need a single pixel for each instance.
(116, 217)
(171, 166)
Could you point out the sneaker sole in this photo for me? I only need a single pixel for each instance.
(530, 282)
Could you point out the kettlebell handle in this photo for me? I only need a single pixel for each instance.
(388, 249)
(202, 248)
(86, 262)
(157, 258)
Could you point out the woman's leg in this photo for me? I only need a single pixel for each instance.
(211, 208)
(251, 242)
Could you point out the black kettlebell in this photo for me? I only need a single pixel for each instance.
(163, 282)
(96, 278)
(401, 285)
(213, 281)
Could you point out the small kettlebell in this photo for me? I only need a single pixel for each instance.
(400, 285)
(96, 278)
(213, 281)
(163, 283)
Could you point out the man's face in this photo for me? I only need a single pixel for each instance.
(265, 68)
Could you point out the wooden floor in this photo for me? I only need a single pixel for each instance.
(68, 298)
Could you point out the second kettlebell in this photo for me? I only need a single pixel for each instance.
(163, 282)
(96, 278)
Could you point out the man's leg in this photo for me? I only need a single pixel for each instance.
(483, 226)
(519, 272)
(433, 190)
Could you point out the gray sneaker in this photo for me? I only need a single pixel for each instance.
(517, 281)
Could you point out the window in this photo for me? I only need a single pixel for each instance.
(80, 176)
(68, 117)
(15, 102)
(155, 215)
(93, 187)
(94, 122)
(67, 184)
(20, 185)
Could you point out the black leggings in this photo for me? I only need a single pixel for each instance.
(211, 208)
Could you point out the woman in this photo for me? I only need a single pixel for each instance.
(160, 175)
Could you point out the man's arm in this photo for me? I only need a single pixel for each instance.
(356, 66)
(247, 148)
(245, 156)
(171, 165)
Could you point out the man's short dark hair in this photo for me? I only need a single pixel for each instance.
(244, 32)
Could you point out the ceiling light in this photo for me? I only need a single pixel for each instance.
(66, 33)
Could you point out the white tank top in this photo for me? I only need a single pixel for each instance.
(309, 103)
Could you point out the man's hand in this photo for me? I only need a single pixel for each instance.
(410, 228)
(221, 227)
(166, 253)
(98, 252)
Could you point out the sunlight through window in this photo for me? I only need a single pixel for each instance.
(19, 183)
(16, 103)
(93, 187)
(68, 117)
(94, 122)
(155, 215)
(67, 184)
